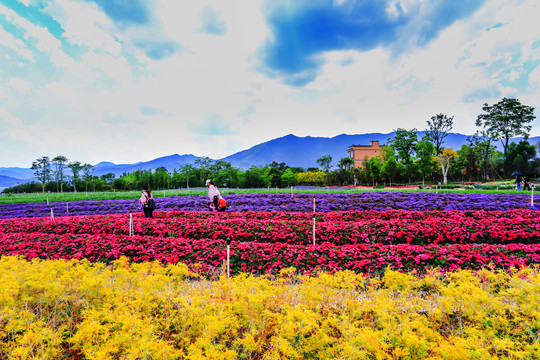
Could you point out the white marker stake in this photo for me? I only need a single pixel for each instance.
(130, 223)
(292, 192)
(47, 199)
(313, 230)
(228, 257)
(52, 215)
(228, 260)
(313, 206)
(67, 207)
(532, 196)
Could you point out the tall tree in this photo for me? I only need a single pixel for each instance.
(444, 160)
(504, 120)
(87, 170)
(520, 156)
(483, 140)
(42, 170)
(204, 164)
(345, 173)
(324, 162)
(75, 170)
(404, 143)
(59, 163)
(389, 164)
(438, 129)
(425, 151)
(186, 171)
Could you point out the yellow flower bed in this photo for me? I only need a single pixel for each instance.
(80, 310)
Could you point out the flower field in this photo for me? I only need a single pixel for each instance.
(376, 276)
(300, 202)
(262, 242)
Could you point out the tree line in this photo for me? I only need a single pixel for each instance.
(405, 159)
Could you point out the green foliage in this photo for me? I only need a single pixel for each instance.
(404, 142)
(504, 120)
(438, 129)
(520, 156)
(325, 162)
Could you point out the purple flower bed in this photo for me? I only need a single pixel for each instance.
(284, 202)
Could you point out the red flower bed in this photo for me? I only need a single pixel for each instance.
(207, 255)
(363, 241)
(337, 228)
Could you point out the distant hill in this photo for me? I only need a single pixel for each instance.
(304, 151)
(16, 172)
(292, 150)
(170, 162)
(7, 181)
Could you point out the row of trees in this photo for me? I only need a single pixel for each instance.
(404, 159)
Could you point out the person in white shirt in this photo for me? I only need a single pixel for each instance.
(214, 196)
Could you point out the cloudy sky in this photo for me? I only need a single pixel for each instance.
(128, 81)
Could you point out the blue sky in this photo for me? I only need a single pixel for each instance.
(127, 81)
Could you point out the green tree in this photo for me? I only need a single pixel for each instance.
(108, 178)
(483, 141)
(289, 177)
(188, 172)
(389, 166)
(404, 142)
(204, 163)
(344, 172)
(504, 120)
(87, 170)
(256, 177)
(438, 129)
(325, 162)
(374, 166)
(75, 170)
(424, 151)
(59, 163)
(467, 161)
(42, 170)
(520, 156)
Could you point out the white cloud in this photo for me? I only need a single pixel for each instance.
(91, 107)
(23, 87)
(9, 41)
(85, 25)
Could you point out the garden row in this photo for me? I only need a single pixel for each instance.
(207, 255)
(324, 202)
(336, 228)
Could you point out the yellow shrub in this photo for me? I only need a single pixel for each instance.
(76, 309)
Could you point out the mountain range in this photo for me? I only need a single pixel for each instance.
(290, 149)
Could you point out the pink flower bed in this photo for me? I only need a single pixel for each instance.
(207, 255)
(363, 241)
(337, 228)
